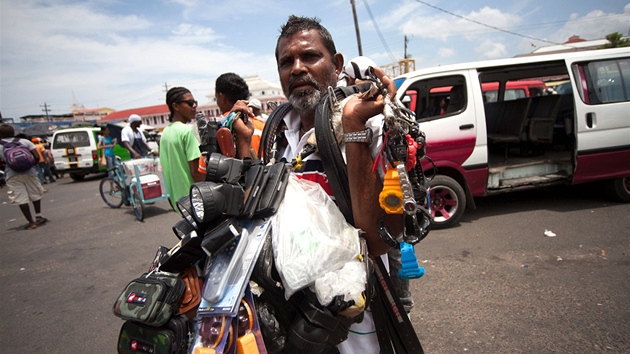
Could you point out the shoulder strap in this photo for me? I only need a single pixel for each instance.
(332, 160)
(271, 130)
(15, 140)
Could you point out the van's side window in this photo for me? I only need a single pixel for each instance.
(435, 97)
(605, 81)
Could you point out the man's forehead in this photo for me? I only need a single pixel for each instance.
(303, 39)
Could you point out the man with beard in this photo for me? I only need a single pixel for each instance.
(308, 64)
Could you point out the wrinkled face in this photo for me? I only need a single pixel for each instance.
(306, 69)
(186, 106)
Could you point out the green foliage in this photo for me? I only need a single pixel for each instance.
(616, 40)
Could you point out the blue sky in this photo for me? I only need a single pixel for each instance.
(119, 53)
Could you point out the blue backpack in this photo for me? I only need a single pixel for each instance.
(17, 156)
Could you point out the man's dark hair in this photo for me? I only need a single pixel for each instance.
(6, 131)
(297, 24)
(173, 96)
(104, 127)
(232, 86)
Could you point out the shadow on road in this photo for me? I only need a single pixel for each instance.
(557, 199)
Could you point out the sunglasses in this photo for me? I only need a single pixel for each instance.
(189, 102)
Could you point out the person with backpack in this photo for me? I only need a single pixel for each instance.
(20, 157)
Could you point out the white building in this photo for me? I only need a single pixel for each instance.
(269, 94)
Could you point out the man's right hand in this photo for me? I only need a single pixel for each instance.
(243, 128)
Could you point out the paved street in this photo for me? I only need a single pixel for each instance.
(495, 284)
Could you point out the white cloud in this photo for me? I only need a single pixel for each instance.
(186, 3)
(443, 26)
(446, 52)
(393, 18)
(108, 59)
(594, 25)
(195, 34)
(491, 50)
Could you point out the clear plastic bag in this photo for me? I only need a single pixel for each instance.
(310, 236)
(348, 281)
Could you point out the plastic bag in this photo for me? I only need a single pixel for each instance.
(102, 161)
(348, 281)
(310, 236)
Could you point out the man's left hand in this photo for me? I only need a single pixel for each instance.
(357, 111)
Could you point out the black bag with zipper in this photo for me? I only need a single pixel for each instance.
(171, 338)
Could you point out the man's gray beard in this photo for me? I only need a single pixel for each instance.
(305, 102)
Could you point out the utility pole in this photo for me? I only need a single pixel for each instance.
(46, 109)
(356, 27)
(165, 87)
(406, 41)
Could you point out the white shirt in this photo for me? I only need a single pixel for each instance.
(127, 134)
(362, 337)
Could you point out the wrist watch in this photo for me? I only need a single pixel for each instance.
(363, 136)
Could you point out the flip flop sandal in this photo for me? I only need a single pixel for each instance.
(40, 220)
(30, 227)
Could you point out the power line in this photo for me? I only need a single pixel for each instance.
(379, 32)
(486, 25)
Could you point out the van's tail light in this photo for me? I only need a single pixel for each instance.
(94, 155)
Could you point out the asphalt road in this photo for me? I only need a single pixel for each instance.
(494, 284)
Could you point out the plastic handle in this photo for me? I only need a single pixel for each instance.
(410, 268)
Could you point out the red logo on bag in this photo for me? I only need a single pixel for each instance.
(141, 347)
(137, 298)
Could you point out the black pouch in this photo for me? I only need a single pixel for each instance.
(253, 188)
(274, 187)
(172, 338)
(184, 254)
(220, 236)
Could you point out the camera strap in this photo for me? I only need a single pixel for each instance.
(273, 130)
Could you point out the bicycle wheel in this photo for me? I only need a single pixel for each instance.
(138, 207)
(111, 192)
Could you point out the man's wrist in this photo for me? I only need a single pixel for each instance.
(363, 136)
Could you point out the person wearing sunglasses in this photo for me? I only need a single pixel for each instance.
(179, 148)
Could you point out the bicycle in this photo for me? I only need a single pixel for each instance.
(115, 191)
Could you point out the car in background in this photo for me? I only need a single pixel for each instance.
(75, 151)
(504, 131)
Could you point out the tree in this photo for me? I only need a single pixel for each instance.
(616, 40)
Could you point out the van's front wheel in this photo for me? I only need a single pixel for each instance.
(448, 202)
(619, 189)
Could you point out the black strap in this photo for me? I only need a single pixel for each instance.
(15, 140)
(403, 329)
(332, 159)
(271, 130)
(403, 336)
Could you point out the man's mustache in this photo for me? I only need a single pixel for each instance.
(304, 79)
